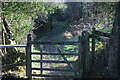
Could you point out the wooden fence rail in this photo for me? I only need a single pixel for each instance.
(54, 43)
(38, 53)
(5, 46)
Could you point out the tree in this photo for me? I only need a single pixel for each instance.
(16, 24)
(114, 51)
(18, 16)
(74, 10)
(17, 21)
(44, 20)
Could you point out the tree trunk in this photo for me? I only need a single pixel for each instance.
(10, 55)
(74, 10)
(114, 52)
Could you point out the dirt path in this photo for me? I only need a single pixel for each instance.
(54, 32)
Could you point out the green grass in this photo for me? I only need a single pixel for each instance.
(71, 48)
(63, 27)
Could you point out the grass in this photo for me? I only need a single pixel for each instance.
(62, 26)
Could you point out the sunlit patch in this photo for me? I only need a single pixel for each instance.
(67, 35)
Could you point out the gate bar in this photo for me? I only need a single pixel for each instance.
(56, 76)
(52, 69)
(13, 46)
(58, 43)
(38, 53)
(51, 61)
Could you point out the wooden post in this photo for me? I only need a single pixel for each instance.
(86, 53)
(80, 57)
(41, 64)
(83, 55)
(28, 58)
(87, 50)
(93, 47)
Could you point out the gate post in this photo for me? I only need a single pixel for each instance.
(83, 55)
(86, 53)
(93, 47)
(80, 57)
(28, 57)
(87, 46)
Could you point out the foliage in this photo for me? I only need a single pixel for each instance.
(104, 12)
(20, 16)
(71, 48)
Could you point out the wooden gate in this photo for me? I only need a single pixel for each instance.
(82, 61)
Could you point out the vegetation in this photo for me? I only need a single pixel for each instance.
(58, 22)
